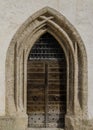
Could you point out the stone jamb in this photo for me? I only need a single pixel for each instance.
(16, 64)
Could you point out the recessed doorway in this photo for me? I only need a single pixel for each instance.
(46, 84)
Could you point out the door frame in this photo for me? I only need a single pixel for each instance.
(47, 20)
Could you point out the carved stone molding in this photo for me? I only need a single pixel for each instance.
(47, 20)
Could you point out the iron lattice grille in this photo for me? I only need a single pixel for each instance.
(46, 84)
(46, 48)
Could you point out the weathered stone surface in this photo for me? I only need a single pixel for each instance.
(47, 19)
(13, 123)
(7, 123)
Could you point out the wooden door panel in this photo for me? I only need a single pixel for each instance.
(56, 69)
(56, 94)
(36, 94)
(37, 76)
(35, 82)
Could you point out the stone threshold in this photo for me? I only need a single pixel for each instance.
(44, 129)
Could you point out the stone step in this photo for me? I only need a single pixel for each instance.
(44, 129)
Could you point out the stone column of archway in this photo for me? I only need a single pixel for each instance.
(53, 22)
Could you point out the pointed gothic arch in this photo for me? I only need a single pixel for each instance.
(51, 21)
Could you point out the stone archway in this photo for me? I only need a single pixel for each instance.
(47, 20)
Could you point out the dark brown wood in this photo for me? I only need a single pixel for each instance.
(46, 93)
(35, 93)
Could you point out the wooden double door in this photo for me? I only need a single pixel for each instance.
(46, 93)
